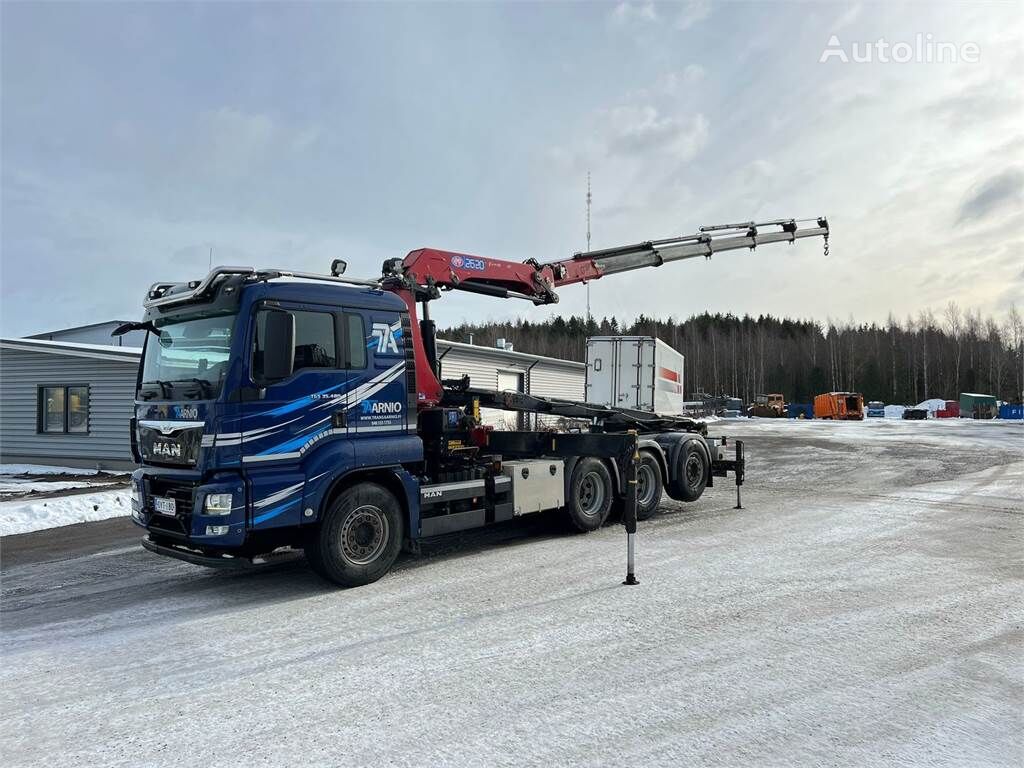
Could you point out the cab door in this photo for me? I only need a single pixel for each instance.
(375, 357)
(295, 416)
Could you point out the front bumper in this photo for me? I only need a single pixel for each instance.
(223, 561)
(189, 523)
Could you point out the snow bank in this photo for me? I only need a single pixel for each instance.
(931, 405)
(894, 411)
(19, 486)
(44, 469)
(23, 515)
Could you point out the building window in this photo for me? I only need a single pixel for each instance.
(63, 410)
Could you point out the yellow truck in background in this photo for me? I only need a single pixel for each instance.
(768, 406)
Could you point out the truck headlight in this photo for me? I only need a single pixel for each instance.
(218, 504)
(136, 500)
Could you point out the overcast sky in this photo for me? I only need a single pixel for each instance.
(136, 137)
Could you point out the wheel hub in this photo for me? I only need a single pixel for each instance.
(591, 493)
(364, 535)
(694, 470)
(644, 485)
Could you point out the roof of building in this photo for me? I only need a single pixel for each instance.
(76, 328)
(73, 349)
(525, 356)
(106, 352)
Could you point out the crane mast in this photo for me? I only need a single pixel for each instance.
(425, 273)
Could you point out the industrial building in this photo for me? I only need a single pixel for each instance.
(66, 403)
(66, 397)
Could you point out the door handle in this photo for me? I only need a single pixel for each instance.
(339, 419)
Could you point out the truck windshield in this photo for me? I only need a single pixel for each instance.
(188, 359)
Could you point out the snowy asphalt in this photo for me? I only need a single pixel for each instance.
(864, 609)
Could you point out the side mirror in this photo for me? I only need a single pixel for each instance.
(338, 267)
(279, 345)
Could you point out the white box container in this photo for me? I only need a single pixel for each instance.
(638, 372)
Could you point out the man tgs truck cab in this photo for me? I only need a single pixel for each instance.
(255, 398)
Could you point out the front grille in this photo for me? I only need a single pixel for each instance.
(183, 495)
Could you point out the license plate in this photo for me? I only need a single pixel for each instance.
(164, 506)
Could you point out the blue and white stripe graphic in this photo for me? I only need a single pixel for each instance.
(280, 496)
(298, 445)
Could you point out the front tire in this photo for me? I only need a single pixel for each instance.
(590, 494)
(359, 538)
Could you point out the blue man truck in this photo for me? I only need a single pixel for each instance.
(279, 411)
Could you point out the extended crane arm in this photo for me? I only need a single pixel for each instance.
(428, 271)
(425, 273)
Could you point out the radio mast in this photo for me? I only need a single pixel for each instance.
(589, 198)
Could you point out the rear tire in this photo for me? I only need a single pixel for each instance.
(359, 538)
(590, 494)
(691, 476)
(649, 486)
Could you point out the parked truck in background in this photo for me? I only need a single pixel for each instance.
(279, 411)
(768, 406)
(839, 405)
(876, 409)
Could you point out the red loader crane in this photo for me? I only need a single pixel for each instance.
(425, 273)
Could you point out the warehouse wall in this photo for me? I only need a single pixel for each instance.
(557, 381)
(546, 377)
(111, 394)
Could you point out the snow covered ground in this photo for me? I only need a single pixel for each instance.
(865, 609)
(45, 469)
(27, 514)
(35, 496)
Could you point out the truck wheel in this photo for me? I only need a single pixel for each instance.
(691, 473)
(590, 494)
(359, 538)
(649, 486)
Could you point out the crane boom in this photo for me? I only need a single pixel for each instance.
(424, 273)
(706, 242)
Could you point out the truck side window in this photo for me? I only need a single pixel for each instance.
(315, 345)
(355, 341)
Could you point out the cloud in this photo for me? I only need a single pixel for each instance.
(847, 18)
(690, 75)
(627, 13)
(693, 13)
(978, 104)
(639, 130)
(232, 140)
(992, 194)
